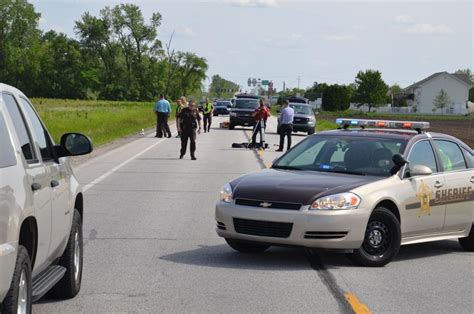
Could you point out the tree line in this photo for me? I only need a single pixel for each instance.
(116, 56)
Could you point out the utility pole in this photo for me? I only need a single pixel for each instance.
(284, 89)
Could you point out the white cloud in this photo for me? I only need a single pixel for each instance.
(253, 3)
(42, 21)
(404, 19)
(340, 37)
(428, 29)
(185, 31)
(293, 41)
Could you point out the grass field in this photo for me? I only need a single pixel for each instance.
(102, 121)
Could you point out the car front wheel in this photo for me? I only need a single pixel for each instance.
(467, 243)
(18, 298)
(246, 247)
(382, 240)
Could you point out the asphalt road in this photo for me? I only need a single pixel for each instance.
(150, 245)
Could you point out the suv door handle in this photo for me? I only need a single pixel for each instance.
(35, 186)
(54, 183)
(438, 184)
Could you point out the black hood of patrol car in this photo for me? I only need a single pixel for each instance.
(295, 186)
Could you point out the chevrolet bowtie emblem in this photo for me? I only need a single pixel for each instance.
(265, 204)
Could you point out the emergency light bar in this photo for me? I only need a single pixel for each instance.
(389, 124)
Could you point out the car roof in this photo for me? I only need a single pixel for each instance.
(388, 133)
(298, 104)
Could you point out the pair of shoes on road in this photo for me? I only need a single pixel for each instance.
(193, 157)
(181, 156)
(169, 136)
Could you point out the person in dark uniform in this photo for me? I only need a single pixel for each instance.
(207, 110)
(189, 120)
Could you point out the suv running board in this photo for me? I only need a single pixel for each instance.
(46, 280)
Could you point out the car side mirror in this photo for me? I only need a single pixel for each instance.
(74, 144)
(420, 170)
(399, 162)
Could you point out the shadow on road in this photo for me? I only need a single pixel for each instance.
(222, 256)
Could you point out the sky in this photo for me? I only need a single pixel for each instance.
(301, 42)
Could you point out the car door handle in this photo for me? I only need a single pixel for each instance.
(35, 186)
(438, 184)
(54, 183)
(472, 179)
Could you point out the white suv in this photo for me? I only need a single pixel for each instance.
(41, 207)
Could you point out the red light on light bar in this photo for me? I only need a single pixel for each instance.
(407, 125)
(381, 124)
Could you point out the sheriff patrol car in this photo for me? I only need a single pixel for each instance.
(365, 190)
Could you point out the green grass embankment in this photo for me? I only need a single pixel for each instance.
(102, 121)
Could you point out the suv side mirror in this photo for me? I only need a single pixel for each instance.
(74, 144)
(420, 170)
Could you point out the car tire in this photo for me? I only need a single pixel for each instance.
(246, 247)
(467, 243)
(381, 242)
(19, 298)
(231, 126)
(310, 131)
(70, 285)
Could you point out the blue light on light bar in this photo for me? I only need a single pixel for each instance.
(386, 124)
(354, 122)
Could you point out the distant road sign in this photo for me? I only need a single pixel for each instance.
(265, 82)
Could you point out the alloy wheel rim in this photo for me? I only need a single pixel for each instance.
(22, 302)
(77, 257)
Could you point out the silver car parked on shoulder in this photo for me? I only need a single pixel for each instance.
(41, 207)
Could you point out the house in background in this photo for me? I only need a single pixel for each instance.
(421, 95)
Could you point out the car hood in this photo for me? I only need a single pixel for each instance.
(302, 115)
(295, 186)
(242, 110)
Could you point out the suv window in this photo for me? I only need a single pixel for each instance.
(246, 103)
(451, 155)
(20, 128)
(422, 154)
(42, 138)
(7, 154)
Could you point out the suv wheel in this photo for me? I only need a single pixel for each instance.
(311, 131)
(231, 126)
(70, 284)
(18, 298)
(381, 242)
(246, 247)
(467, 243)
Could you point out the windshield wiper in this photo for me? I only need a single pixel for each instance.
(286, 167)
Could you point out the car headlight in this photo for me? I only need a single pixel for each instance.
(311, 119)
(233, 114)
(337, 201)
(226, 193)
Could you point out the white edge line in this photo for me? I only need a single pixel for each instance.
(108, 173)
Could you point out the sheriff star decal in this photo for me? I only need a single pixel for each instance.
(424, 194)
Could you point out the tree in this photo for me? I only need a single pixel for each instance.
(370, 89)
(442, 100)
(336, 97)
(222, 88)
(19, 44)
(467, 72)
(471, 94)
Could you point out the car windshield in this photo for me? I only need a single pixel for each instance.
(223, 103)
(300, 109)
(246, 103)
(343, 154)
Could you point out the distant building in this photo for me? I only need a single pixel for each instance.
(421, 95)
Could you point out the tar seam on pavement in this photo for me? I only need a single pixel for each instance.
(326, 277)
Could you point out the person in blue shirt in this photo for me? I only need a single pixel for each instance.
(162, 111)
(286, 124)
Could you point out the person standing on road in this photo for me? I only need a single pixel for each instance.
(188, 120)
(286, 124)
(260, 115)
(162, 111)
(207, 110)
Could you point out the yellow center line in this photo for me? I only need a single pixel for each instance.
(357, 306)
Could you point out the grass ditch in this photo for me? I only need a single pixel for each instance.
(102, 121)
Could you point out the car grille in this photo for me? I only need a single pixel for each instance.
(300, 120)
(261, 204)
(263, 228)
(325, 234)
